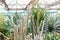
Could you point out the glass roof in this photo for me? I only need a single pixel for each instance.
(18, 3)
(23, 3)
(49, 2)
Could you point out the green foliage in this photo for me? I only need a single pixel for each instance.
(2, 25)
(53, 22)
(16, 18)
(8, 26)
(2, 21)
(36, 18)
(51, 36)
(38, 12)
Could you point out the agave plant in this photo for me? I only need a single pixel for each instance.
(53, 23)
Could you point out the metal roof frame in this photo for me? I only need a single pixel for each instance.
(31, 2)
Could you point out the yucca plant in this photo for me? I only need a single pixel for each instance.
(38, 16)
(14, 22)
(15, 18)
(9, 24)
(35, 19)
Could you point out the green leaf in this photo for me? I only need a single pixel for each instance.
(15, 20)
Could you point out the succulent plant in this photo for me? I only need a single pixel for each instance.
(51, 36)
(53, 23)
(37, 17)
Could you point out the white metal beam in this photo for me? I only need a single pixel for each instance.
(53, 4)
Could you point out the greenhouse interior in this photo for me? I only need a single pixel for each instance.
(29, 19)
